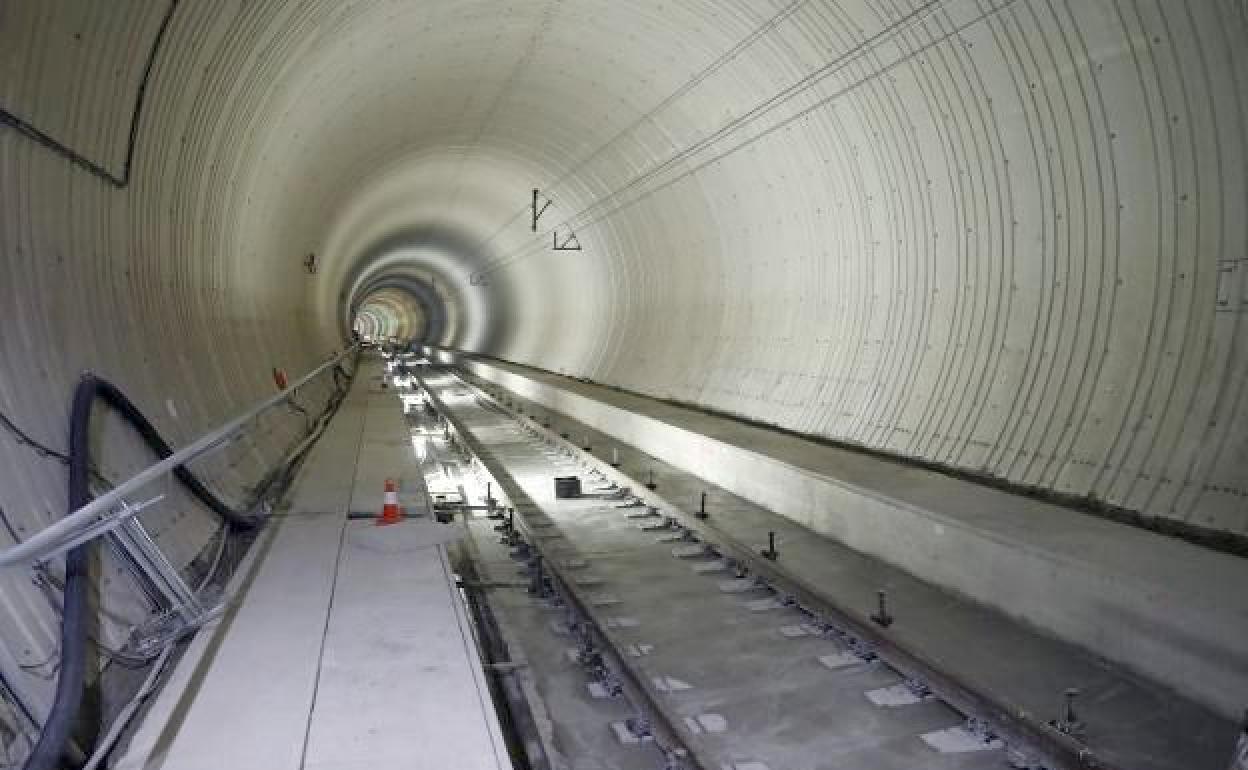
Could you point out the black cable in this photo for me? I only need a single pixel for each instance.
(71, 680)
(91, 388)
(24, 438)
(43, 450)
(75, 633)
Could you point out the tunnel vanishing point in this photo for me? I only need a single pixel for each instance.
(756, 384)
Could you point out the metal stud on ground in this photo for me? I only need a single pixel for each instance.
(881, 616)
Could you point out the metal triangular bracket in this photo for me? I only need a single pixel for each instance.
(535, 212)
(569, 244)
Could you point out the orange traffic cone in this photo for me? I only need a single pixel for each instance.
(390, 508)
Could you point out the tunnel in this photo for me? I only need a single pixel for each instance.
(957, 286)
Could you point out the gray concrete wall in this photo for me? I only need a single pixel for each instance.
(1005, 236)
(1172, 611)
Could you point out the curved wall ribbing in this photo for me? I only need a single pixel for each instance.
(1003, 235)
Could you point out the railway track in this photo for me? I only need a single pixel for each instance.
(722, 659)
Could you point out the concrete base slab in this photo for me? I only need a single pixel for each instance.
(635, 514)
(762, 605)
(689, 551)
(1169, 609)
(840, 660)
(1136, 723)
(626, 736)
(706, 723)
(670, 684)
(775, 697)
(399, 666)
(401, 537)
(959, 740)
(894, 695)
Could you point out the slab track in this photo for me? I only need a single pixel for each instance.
(733, 664)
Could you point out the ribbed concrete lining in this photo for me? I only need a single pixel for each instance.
(1006, 235)
(392, 312)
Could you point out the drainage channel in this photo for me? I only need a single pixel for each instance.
(750, 668)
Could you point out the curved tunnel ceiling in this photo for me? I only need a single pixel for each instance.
(1002, 235)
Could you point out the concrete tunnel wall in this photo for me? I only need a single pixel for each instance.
(1004, 236)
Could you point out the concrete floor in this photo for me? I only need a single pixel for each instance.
(345, 645)
(783, 708)
(1131, 722)
(1172, 610)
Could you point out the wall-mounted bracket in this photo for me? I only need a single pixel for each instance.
(568, 244)
(534, 211)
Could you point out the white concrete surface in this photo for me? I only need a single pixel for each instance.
(246, 706)
(345, 646)
(1132, 722)
(1006, 236)
(1174, 611)
(400, 685)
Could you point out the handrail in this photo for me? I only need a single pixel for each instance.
(99, 516)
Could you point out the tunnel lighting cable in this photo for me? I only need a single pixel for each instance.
(573, 222)
(62, 716)
(712, 68)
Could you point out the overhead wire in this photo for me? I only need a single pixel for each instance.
(712, 68)
(528, 251)
(916, 16)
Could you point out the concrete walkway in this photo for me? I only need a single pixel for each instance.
(345, 644)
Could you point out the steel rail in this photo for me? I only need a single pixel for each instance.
(641, 697)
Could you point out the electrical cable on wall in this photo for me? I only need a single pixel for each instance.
(715, 66)
(62, 717)
(573, 222)
(23, 438)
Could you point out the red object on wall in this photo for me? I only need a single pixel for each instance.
(279, 378)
